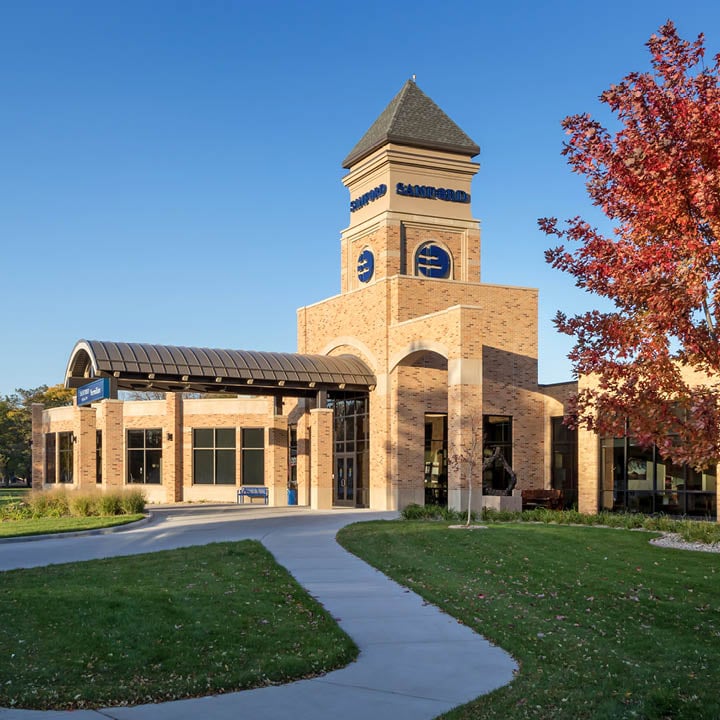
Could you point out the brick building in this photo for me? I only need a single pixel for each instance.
(411, 362)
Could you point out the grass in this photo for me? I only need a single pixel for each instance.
(12, 495)
(161, 626)
(705, 531)
(47, 525)
(604, 625)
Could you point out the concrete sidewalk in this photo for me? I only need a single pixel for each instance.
(415, 662)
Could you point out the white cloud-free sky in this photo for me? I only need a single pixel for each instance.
(170, 171)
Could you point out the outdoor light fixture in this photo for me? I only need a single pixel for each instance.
(249, 381)
(116, 374)
(151, 376)
(312, 384)
(281, 383)
(218, 379)
(341, 386)
(169, 436)
(185, 378)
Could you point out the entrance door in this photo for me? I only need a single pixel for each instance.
(344, 486)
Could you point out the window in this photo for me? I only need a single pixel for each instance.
(564, 460)
(144, 456)
(50, 458)
(65, 457)
(497, 432)
(638, 479)
(98, 456)
(432, 261)
(253, 456)
(214, 456)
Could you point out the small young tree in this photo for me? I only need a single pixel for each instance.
(467, 457)
(658, 180)
(470, 456)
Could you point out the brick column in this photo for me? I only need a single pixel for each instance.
(276, 460)
(383, 481)
(465, 417)
(321, 459)
(172, 462)
(84, 452)
(38, 447)
(110, 422)
(589, 473)
(303, 459)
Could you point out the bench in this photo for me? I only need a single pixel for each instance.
(252, 492)
(542, 498)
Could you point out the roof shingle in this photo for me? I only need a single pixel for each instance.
(413, 119)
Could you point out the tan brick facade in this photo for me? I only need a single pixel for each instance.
(440, 343)
(452, 346)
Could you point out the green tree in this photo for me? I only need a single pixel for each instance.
(16, 426)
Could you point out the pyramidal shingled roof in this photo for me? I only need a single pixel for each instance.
(412, 118)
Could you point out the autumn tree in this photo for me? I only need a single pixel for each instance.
(657, 179)
(16, 426)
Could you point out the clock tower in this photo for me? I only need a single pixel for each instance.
(409, 182)
(455, 359)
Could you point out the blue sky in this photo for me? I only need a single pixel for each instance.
(157, 158)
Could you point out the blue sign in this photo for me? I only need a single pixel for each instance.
(367, 197)
(92, 392)
(365, 266)
(432, 261)
(432, 193)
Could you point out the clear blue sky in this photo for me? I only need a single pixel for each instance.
(156, 157)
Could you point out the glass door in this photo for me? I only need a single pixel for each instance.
(344, 486)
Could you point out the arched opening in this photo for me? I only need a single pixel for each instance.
(420, 381)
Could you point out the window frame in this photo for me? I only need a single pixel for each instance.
(143, 450)
(214, 449)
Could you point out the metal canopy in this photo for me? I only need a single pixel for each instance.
(139, 366)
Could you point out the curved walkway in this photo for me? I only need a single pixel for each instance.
(415, 661)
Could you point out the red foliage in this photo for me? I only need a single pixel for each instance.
(658, 180)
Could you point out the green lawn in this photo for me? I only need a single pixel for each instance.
(42, 526)
(11, 495)
(160, 626)
(604, 625)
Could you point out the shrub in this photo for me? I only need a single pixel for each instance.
(434, 512)
(84, 504)
(48, 503)
(18, 510)
(111, 503)
(704, 532)
(133, 502)
(690, 530)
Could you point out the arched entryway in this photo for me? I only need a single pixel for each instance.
(419, 394)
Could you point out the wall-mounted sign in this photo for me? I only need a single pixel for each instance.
(432, 193)
(367, 197)
(432, 261)
(92, 392)
(365, 266)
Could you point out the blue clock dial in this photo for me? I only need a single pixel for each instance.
(365, 266)
(433, 261)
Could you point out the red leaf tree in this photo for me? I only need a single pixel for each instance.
(658, 181)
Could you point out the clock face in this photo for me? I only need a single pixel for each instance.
(365, 266)
(433, 261)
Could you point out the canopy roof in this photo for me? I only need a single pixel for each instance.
(138, 366)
